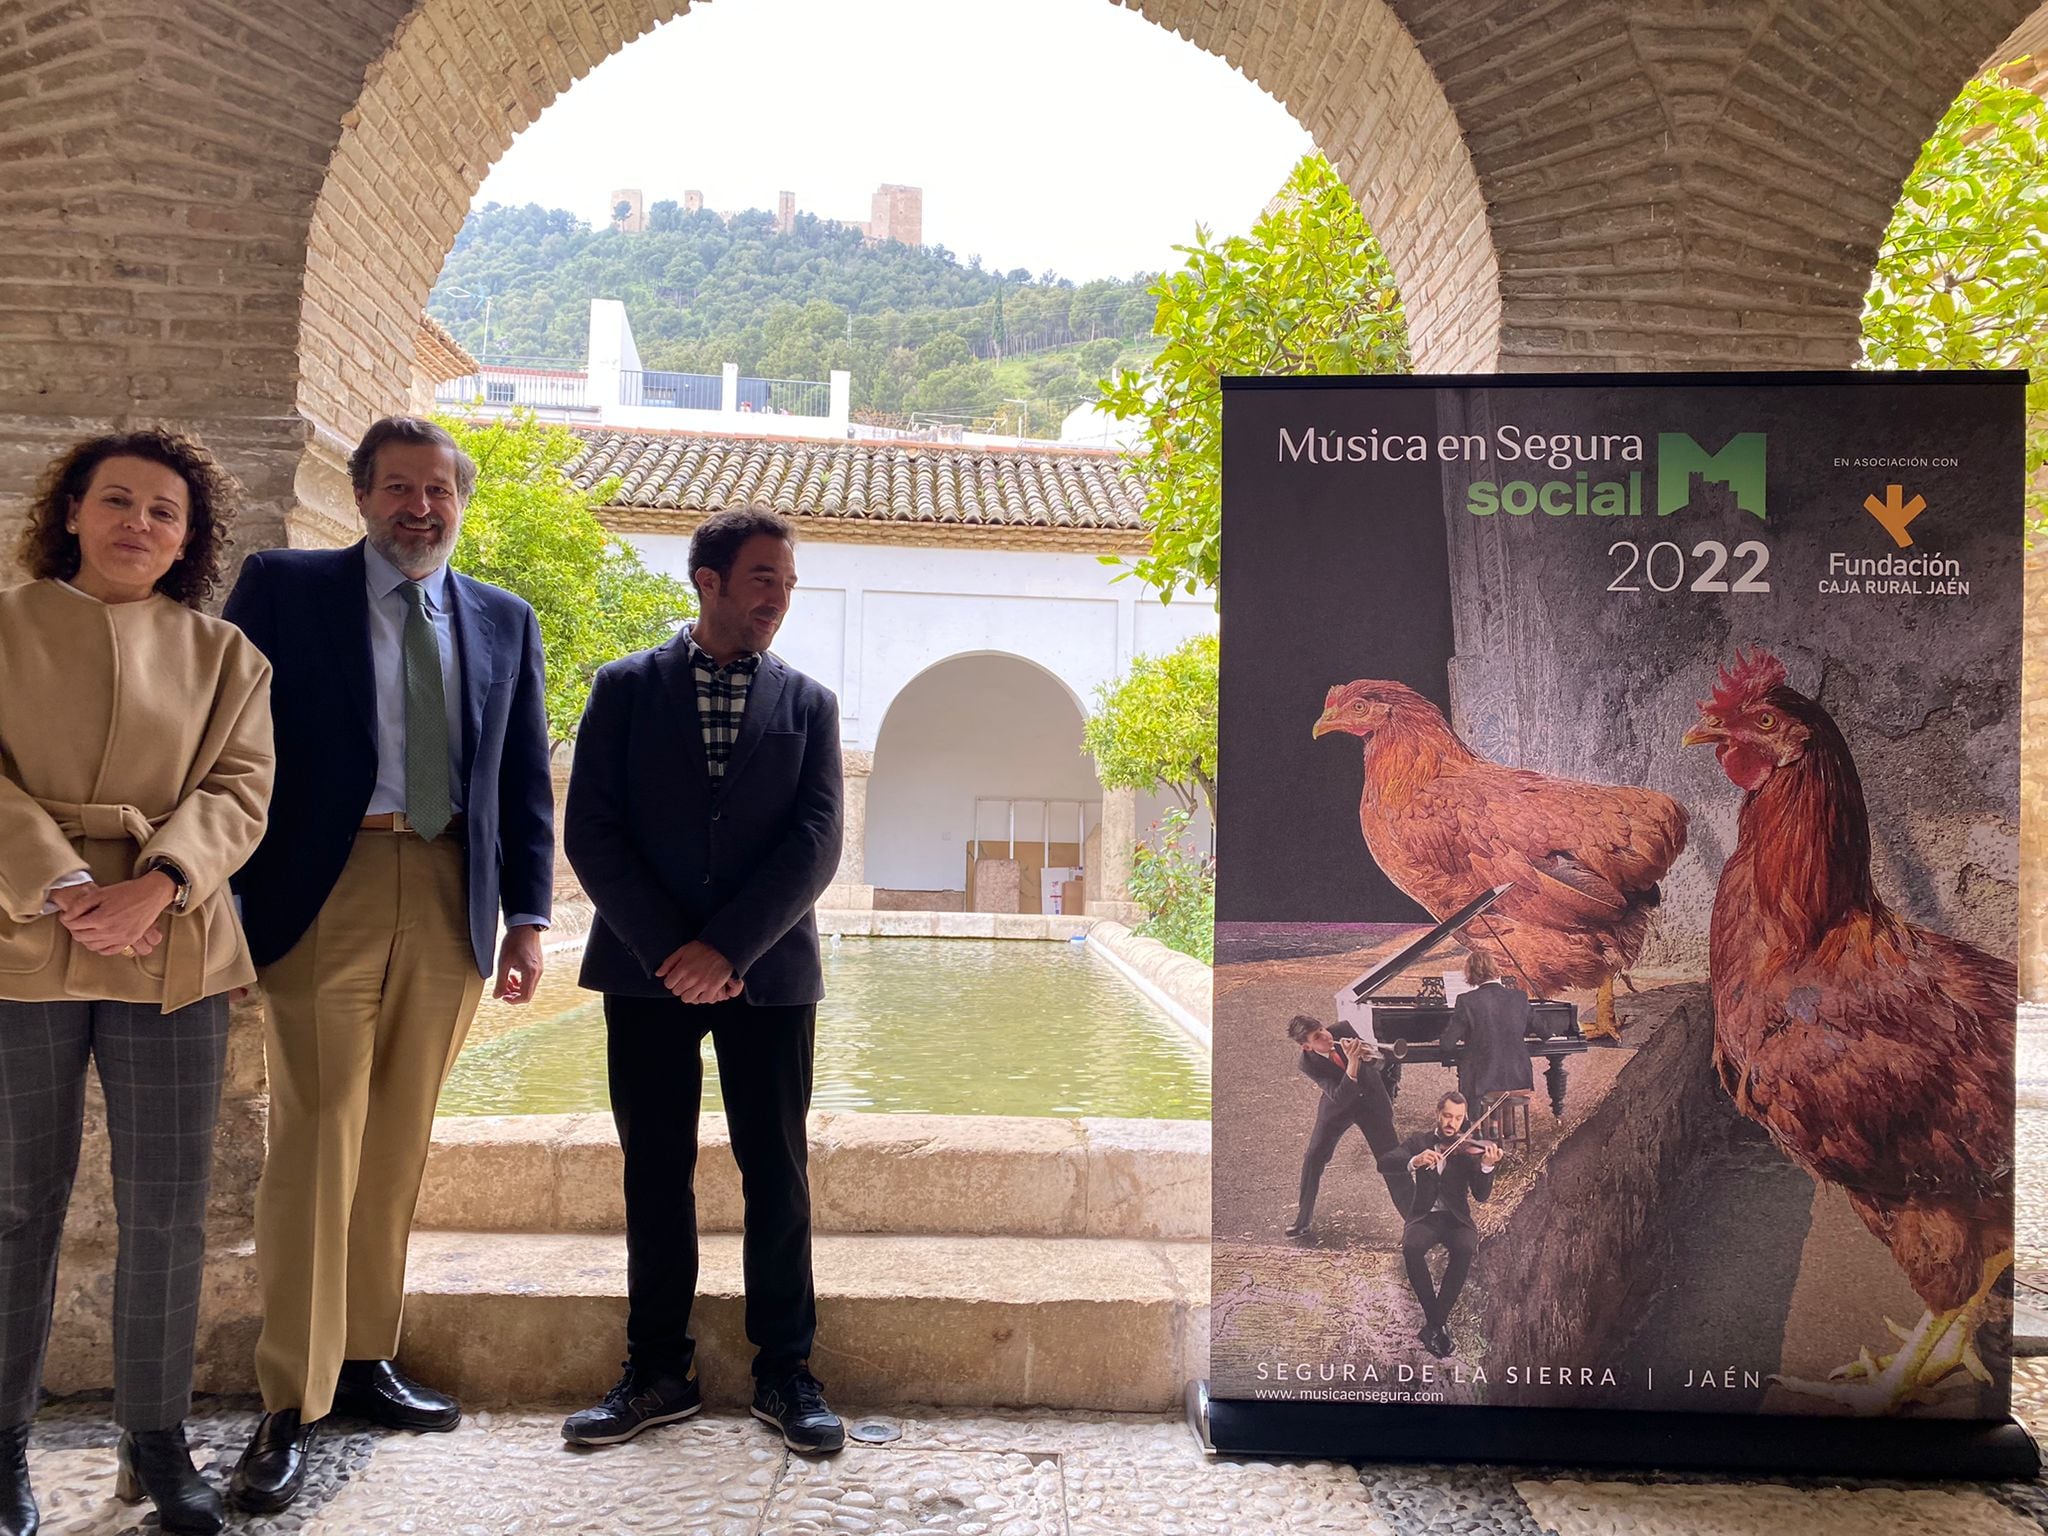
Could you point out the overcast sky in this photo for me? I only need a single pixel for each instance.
(1064, 134)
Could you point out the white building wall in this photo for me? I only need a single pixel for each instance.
(869, 618)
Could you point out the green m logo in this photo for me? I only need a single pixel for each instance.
(1684, 468)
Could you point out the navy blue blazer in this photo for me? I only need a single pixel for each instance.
(308, 610)
(667, 858)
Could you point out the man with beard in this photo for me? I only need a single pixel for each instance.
(704, 821)
(413, 805)
(1446, 1170)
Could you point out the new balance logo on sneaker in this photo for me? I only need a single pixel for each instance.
(641, 1400)
(795, 1404)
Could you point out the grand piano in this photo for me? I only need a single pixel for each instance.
(1411, 1028)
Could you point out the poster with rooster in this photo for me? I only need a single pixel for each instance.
(1617, 909)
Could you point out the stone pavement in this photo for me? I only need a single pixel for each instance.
(963, 1473)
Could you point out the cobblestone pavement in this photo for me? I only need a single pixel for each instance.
(977, 1474)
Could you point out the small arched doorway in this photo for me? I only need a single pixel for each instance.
(978, 764)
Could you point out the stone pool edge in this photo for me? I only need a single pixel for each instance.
(1178, 984)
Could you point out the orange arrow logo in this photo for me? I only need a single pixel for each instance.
(1895, 512)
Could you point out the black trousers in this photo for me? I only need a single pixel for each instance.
(1373, 1114)
(1438, 1229)
(657, 1083)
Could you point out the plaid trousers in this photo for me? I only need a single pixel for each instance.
(162, 1076)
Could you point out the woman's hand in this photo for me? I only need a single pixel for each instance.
(117, 919)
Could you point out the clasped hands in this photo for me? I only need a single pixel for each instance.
(116, 919)
(697, 973)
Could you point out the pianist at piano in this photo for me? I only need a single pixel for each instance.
(1488, 1027)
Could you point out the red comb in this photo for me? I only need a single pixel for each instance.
(1751, 675)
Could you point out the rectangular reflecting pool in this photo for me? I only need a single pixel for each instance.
(908, 1026)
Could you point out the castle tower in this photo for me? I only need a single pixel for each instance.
(898, 214)
(693, 202)
(785, 212)
(629, 211)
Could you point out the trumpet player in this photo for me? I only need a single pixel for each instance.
(1344, 1068)
(1447, 1166)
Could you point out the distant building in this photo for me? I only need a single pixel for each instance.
(785, 212)
(898, 214)
(629, 211)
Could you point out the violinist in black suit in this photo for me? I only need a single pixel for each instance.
(1342, 1066)
(1439, 1216)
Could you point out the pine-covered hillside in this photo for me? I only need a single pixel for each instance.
(918, 329)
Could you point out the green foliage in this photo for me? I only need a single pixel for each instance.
(1307, 292)
(1962, 278)
(918, 330)
(529, 530)
(1176, 884)
(1157, 728)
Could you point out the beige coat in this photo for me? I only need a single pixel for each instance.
(127, 731)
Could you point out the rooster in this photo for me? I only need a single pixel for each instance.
(1446, 826)
(1877, 1053)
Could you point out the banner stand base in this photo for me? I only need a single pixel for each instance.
(1582, 1437)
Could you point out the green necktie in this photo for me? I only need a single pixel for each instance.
(427, 804)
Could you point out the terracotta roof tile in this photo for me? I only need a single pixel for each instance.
(439, 355)
(926, 483)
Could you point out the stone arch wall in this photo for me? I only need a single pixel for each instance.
(1695, 186)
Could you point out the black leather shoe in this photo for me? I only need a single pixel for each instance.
(1299, 1227)
(795, 1404)
(18, 1513)
(1440, 1343)
(269, 1475)
(641, 1400)
(378, 1391)
(158, 1463)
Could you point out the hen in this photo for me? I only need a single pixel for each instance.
(1877, 1053)
(1446, 825)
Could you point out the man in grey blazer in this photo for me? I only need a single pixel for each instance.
(704, 821)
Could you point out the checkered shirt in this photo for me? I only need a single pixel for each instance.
(721, 700)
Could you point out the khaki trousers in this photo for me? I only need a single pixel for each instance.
(366, 1014)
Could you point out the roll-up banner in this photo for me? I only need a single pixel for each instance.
(1616, 919)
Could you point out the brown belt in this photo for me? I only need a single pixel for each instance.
(396, 821)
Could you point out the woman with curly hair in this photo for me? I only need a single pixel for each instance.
(135, 770)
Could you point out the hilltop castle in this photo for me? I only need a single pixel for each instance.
(897, 213)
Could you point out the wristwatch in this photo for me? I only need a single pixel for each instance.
(181, 882)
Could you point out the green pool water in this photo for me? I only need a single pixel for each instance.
(924, 1026)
